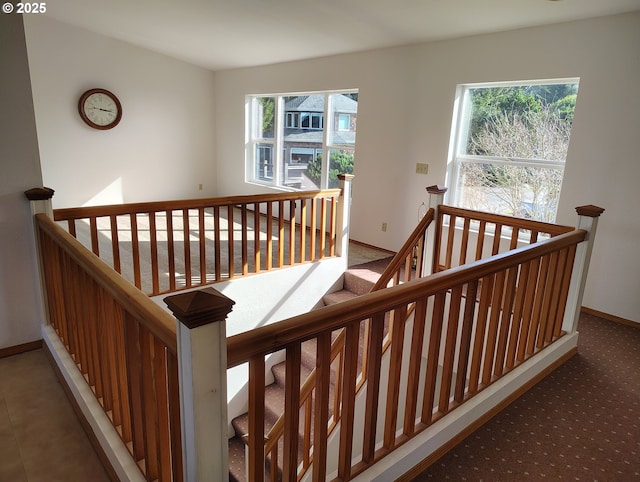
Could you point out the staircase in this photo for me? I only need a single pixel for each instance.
(358, 280)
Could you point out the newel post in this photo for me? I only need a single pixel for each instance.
(202, 366)
(436, 197)
(344, 210)
(40, 200)
(587, 220)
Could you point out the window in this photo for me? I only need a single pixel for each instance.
(344, 122)
(288, 141)
(510, 144)
(312, 120)
(293, 119)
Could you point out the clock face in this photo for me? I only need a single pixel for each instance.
(100, 109)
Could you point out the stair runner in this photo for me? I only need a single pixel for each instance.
(358, 280)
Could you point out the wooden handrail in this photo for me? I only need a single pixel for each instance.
(152, 316)
(277, 336)
(208, 240)
(521, 223)
(405, 250)
(64, 214)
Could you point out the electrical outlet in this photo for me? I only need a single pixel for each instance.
(384, 227)
(422, 168)
(199, 187)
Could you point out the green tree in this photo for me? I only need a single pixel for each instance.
(492, 102)
(268, 105)
(565, 107)
(340, 162)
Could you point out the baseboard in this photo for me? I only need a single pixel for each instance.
(371, 246)
(23, 348)
(609, 317)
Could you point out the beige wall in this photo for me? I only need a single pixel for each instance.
(163, 147)
(183, 125)
(405, 108)
(20, 304)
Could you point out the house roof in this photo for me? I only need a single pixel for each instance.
(315, 136)
(315, 103)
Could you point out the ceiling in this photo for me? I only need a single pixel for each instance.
(223, 34)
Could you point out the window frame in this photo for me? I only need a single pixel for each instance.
(459, 137)
(284, 120)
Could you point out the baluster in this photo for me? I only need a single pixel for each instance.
(171, 254)
(256, 237)
(269, 240)
(153, 245)
(415, 360)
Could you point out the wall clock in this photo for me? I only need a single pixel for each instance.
(100, 109)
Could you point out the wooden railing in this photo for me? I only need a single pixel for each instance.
(407, 261)
(466, 326)
(470, 325)
(464, 235)
(408, 264)
(207, 240)
(123, 344)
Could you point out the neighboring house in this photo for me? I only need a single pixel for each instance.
(304, 130)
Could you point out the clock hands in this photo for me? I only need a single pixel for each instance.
(100, 108)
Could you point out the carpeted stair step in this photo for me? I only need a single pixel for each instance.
(360, 280)
(338, 297)
(357, 281)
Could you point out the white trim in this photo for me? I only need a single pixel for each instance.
(519, 83)
(119, 457)
(280, 124)
(511, 161)
(459, 135)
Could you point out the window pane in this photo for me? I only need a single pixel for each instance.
(265, 117)
(511, 148)
(528, 192)
(264, 162)
(340, 162)
(344, 122)
(295, 125)
(316, 121)
(529, 122)
(303, 169)
(344, 110)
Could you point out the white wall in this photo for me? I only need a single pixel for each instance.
(20, 304)
(163, 147)
(405, 109)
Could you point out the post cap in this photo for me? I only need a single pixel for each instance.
(589, 211)
(201, 307)
(39, 193)
(435, 189)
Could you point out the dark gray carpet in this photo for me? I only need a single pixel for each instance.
(582, 422)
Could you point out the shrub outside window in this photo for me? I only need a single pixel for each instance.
(510, 146)
(289, 137)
